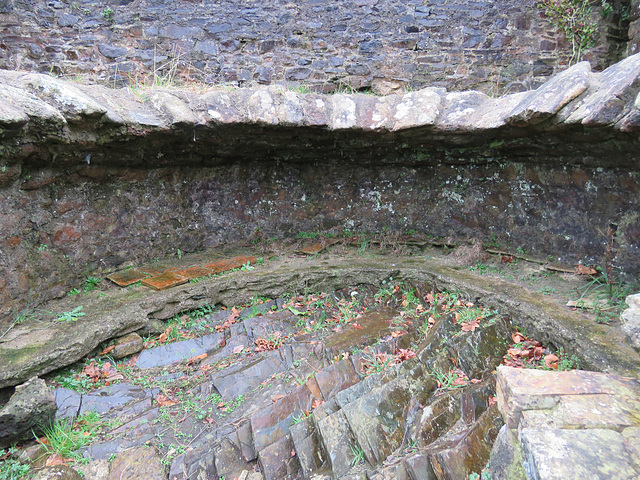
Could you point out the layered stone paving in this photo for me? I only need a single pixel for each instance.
(565, 425)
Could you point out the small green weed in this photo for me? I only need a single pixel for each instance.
(71, 316)
(358, 454)
(10, 468)
(65, 437)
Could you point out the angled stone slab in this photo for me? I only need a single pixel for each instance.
(337, 440)
(177, 351)
(548, 99)
(279, 460)
(520, 390)
(243, 377)
(595, 454)
(127, 277)
(38, 348)
(64, 96)
(608, 95)
(586, 411)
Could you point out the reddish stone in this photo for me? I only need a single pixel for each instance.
(194, 272)
(14, 241)
(166, 280)
(155, 269)
(65, 235)
(222, 265)
(243, 260)
(311, 249)
(127, 277)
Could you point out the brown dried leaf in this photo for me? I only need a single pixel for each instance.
(165, 401)
(584, 270)
(107, 350)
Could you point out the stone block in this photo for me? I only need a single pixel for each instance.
(31, 407)
(165, 280)
(127, 345)
(562, 454)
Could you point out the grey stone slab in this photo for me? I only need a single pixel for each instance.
(108, 398)
(595, 454)
(67, 403)
(178, 351)
(243, 377)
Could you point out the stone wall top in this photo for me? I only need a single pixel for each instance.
(575, 116)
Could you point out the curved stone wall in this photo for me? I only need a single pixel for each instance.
(93, 179)
(498, 47)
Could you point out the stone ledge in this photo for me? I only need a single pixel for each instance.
(52, 114)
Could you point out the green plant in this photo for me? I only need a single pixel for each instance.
(64, 437)
(179, 253)
(43, 247)
(358, 454)
(295, 419)
(20, 317)
(246, 267)
(4, 168)
(11, 468)
(71, 316)
(575, 19)
(521, 251)
(107, 13)
(547, 290)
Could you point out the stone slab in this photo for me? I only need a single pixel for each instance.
(175, 352)
(127, 277)
(595, 454)
(194, 272)
(222, 265)
(519, 390)
(165, 280)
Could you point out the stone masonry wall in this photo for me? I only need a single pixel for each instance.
(498, 47)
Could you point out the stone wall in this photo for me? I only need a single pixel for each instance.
(94, 179)
(497, 46)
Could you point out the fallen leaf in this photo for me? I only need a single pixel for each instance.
(238, 349)
(55, 459)
(196, 359)
(550, 360)
(107, 350)
(584, 270)
(165, 401)
(429, 298)
(293, 452)
(357, 326)
(470, 326)
(492, 400)
(475, 380)
(316, 403)
(162, 338)
(207, 420)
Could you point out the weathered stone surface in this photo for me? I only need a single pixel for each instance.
(561, 454)
(571, 395)
(505, 461)
(631, 320)
(127, 345)
(605, 101)
(30, 408)
(27, 349)
(57, 472)
(178, 351)
(338, 442)
(136, 463)
(552, 96)
(279, 460)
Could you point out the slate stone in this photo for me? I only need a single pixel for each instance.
(243, 377)
(279, 460)
(561, 454)
(136, 463)
(337, 440)
(57, 472)
(631, 320)
(112, 396)
(68, 20)
(31, 408)
(551, 96)
(195, 463)
(178, 351)
(68, 403)
(307, 446)
(419, 466)
(505, 460)
(297, 73)
(228, 458)
(127, 345)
